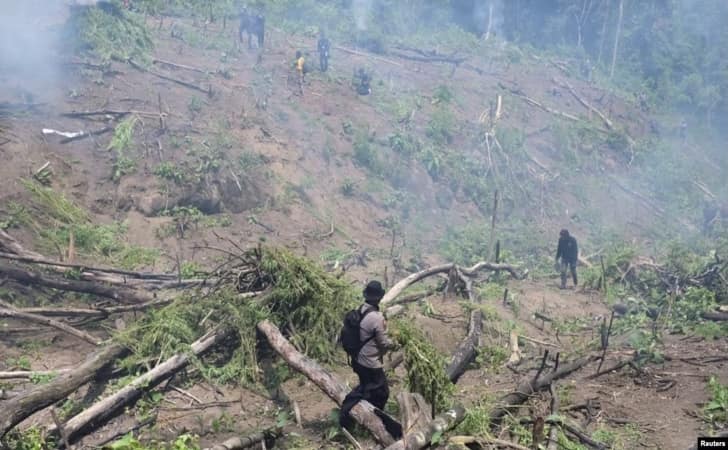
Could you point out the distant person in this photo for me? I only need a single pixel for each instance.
(324, 47)
(259, 29)
(300, 70)
(364, 337)
(567, 256)
(362, 81)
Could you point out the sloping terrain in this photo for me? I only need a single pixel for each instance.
(366, 185)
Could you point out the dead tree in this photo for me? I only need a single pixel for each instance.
(362, 412)
(120, 294)
(106, 408)
(466, 351)
(22, 406)
(422, 438)
(529, 386)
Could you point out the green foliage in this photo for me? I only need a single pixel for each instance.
(348, 187)
(129, 442)
(301, 297)
(441, 126)
(195, 105)
(42, 378)
(406, 145)
(425, 366)
(365, 153)
(121, 143)
(191, 269)
(109, 32)
(32, 438)
(715, 412)
(21, 362)
(55, 218)
(466, 245)
(249, 160)
(477, 419)
(442, 95)
(171, 172)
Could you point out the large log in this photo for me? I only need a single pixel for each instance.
(22, 406)
(362, 412)
(529, 386)
(715, 316)
(422, 438)
(404, 283)
(106, 408)
(466, 351)
(115, 293)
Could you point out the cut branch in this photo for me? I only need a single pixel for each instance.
(422, 438)
(362, 412)
(114, 293)
(19, 408)
(168, 78)
(587, 105)
(468, 348)
(11, 312)
(248, 441)
(105, 408)
(28, 374)
(529, 386)
(404, 283)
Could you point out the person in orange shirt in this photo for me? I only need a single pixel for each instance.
(300, 66)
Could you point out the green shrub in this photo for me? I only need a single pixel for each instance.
(441, 126)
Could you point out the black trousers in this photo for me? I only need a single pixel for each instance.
(374, 389)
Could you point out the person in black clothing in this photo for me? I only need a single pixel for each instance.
(324, 46)
(568, 254)
(368, 363)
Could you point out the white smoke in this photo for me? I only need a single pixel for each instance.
(361, 10)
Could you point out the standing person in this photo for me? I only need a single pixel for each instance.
(324, 46)
(568, 253)
(300, 66)
(365, 340)
(258, 26)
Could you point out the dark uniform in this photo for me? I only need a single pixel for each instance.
(362, 81)
(568, 253)
(368, 365)
(324, 47)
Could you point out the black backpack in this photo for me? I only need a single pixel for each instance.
(350, 333)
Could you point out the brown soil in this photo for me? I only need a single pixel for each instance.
(297, 194)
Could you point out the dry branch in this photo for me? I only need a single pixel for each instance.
(13, 313)
(362, 412)
(587, 105)
(515, 358)
(104, 409)
(466, 351)
(20, 407)
(404, 283)
(421, 439)
(237, 443)
(715, 316)
(27, 374)
(115, 293)
(529, 386)
(168, 78)
(179, 66)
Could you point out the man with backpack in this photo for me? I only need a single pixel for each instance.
(364, 338)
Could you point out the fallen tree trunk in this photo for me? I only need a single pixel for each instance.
(28, 374)
(237, 443)
(715, 316)
(13, 313)
(406, 282)
(104, 409)
(172, 79)
(515, 358)
(421, 439)
(22, 406)
(529, 386)
(114, 293)
(362, 412)
(95, 312)
(468, 348)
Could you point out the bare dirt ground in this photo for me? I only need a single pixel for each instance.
(298, 197)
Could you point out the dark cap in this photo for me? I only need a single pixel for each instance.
(374, 291)
(564, 232)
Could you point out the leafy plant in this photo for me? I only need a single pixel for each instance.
(195, 105)
(170, 171)
(425, 366)
(715, 412)
(442, 95)
(441, 126)
(348, 187)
